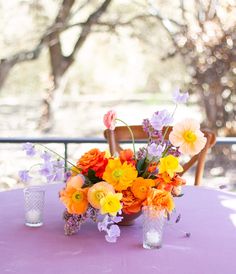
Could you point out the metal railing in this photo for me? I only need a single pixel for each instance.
(53, 140)
(67, 141)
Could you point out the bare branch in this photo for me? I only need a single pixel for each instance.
(183, 11)
(114, 24)
(211, 9)
(86, 29)
(83, 5)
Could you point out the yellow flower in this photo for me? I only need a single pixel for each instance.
(75, 171)
(97, 192)
(188, 137)
(170, 164)
(111, 203)
(119, 175)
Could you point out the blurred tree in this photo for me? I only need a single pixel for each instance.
(205, 37)
(51, 39)
(202, 32)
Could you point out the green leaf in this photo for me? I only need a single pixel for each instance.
(141, 166)
(92, 176)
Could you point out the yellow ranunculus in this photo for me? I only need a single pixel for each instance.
(111, 203)
(121, 176)
(170, 165)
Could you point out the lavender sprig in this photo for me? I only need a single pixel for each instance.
(73, 223)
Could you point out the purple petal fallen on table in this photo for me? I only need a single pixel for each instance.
(222, 187)
(178, 218)
(168, 216)
(187, 234)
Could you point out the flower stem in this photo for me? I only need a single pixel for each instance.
(58, 155)
(131, 133)
(167, 128)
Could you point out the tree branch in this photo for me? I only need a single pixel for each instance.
(54, 44)
(86, 29)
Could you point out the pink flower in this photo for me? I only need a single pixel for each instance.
(109, 119)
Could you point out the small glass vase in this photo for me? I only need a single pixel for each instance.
(34, 204)
(153, 224)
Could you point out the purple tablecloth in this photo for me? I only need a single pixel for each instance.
(209, 215)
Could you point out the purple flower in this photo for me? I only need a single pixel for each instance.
(155, 150)
(112, 233)
(45, 156)
(46, 169)
(67, 175)
(180, 98)
(108, 225)
(117, 219)
(73, 222)
(59, 175)
(58, 164)
(103, 226)
(141, 153)
(29, 149)
(161, 119)
(146, 125)
(24, 176)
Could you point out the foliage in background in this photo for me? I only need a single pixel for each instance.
(130, 49)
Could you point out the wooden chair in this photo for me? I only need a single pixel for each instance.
(122, 134)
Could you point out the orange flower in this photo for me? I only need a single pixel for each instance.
(74, 197)
(127, 155)
(97, 192)
(164, 181)
(93, 159)
(160, 199)
(152, 168)
(140, 187)
(131, 204)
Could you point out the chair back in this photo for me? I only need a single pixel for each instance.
(122, 134)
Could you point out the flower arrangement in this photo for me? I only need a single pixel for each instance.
(103, 187)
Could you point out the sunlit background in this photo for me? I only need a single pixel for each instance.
(65, 63)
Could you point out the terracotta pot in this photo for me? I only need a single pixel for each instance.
(129, 219)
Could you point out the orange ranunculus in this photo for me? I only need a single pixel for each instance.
(93, 159)
(131, 204)
(178, 181)
(73, 196)
(160, 199)
(127, 155)
(140, 187)
(164, 181)
(152, 168)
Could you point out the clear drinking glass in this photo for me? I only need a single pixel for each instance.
(34, 204)
(153, 224)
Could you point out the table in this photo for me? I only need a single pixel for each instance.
(209, 215)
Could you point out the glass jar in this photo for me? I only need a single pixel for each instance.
(34, 204)
(153, 224)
